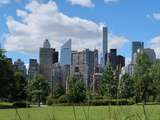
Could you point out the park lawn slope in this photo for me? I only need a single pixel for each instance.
(151, 112)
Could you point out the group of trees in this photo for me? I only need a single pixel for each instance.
(143, 86)
(15, 87)
(12, 83)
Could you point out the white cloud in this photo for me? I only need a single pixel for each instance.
(111, 1)
(83, 3)
(40, 21)
(156, 16)
(4, 1)
(117, 41)
(22, 13)
(155, 44)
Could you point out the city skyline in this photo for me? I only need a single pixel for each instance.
(19, 19)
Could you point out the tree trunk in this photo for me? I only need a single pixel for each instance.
(39, 100)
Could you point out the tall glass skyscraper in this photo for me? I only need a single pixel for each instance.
(105, 45)
(135, 46)
(65, 58)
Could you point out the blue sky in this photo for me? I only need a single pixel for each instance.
(24, 24)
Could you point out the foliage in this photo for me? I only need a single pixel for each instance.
(38, 89)
(58, 91)
(126, 87)
(19, 92)
(7, 81)
(142, 78)
(63, 99)
(155, 76)
(111, 102)
(20, 104)
(77, 90)
(109, 83)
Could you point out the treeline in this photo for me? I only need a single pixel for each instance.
(143, 86)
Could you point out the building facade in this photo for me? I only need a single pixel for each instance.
(33, 68)
(105, 45)
(151, 54)
(135, 46)
(48, 56)
(83, 64)
(65, 58)
(20, 66)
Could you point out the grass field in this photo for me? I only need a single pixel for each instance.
(151, 112)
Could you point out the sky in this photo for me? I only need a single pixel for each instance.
(25, 24)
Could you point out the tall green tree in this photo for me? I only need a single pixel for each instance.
(19, 92)
(142, 77)
(155, 76)
(109, 83)
(38, 89)
(76, 91)
(126, 87)
(7, 81)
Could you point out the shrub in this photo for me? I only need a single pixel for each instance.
(63, 99)
(21, 104)
(50, 100)
(111, 102)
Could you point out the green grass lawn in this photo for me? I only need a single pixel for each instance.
(83, 113)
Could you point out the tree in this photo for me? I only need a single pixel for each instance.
(19, 92)
(38, 89)
(155, 75)
(109, 83)
(77, 91)
(142, 78)
(7, 81)
(58, 91)
(126, 87)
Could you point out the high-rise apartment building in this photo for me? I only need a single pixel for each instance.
(116, 61)
(33, 68)
(65, 58)
(135, 46)
(105, 45)
(48, 56)
(150, 53)
(84, 63)
(20, 66)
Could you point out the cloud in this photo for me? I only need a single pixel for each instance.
(155, 16)
(4, 2)
(117, 41)
(111, 1)
(83, 3)
(40, 21)
(155, 44)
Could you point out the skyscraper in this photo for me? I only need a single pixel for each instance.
(84, 63)
(48, 56)
(33, 68)
(116, 61)
(65, 58)
(150, 53)
(105, 45)
(135, 46)
(20, 66)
